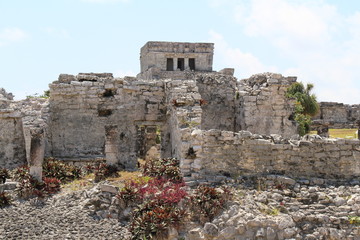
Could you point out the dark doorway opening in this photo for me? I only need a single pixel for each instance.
(148, 136)
(192, 64)
(169, 64)
(181, 64)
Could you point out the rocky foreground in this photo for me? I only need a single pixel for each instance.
(61, 217)
(275, 208)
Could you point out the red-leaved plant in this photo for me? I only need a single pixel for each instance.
(51, 185)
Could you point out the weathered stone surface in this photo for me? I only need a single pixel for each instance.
(12, 142)
(263, 107)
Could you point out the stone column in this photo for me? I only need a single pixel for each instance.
(111, 144)
(175, 64)
(186, 64)
(37, 151)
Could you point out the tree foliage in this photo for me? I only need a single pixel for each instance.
(306, 105)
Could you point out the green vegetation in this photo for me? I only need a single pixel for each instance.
(46, 94)
(355, 220)
(306, 105)
(349, 133)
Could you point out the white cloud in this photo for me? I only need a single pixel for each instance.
(105, 1)
(245, 63)
(288, 24)
(9, 35)
(313, 38)
(62, 33)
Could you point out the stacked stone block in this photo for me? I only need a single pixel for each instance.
(263, 107)
(233, 154)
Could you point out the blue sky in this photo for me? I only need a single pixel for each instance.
(316, 40)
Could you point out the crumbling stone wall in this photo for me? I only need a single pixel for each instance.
(231, 154)
(337, 115)
(218, 93)
(83, 106)
(184, 111)
(12, 143)
(263, 107)
(35, 114)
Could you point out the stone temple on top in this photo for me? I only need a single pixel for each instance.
(175, 60)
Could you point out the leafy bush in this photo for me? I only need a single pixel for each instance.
(305, 107)
(20, 173)
(5, 199)
(102, 171)
(143, 189)
(30, 187)
(156, 205)
(51, 185)
(163, 167)
(4, 174)
(153, 218)
(130, 193)
(206, 202)
(53, 168)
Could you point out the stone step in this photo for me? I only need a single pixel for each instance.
(8, 186)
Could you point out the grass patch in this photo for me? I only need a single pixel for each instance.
(348, 133)
(86, 182)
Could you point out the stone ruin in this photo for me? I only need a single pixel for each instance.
(215, 125)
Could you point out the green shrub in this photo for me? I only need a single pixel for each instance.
(156, 203)
(306, 105)
(163, 167)
(102, 171)
(155, 199)
(152, 219)
(206, 202)
(30, 187)
(53, 168)
(20, 173)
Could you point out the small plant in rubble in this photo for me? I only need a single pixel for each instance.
(206, 202)
(156, 199)
(30, 187)
(163, 167)
(156, 203)
(102, 171)
(51, 185)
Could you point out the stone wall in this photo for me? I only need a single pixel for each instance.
(184, 113)
(338, 115)
(35, 114)
(218, 93)
(263, 107)
(82, 109)
(12, 143)
(232, 154)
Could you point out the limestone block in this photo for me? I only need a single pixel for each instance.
(109, 188)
